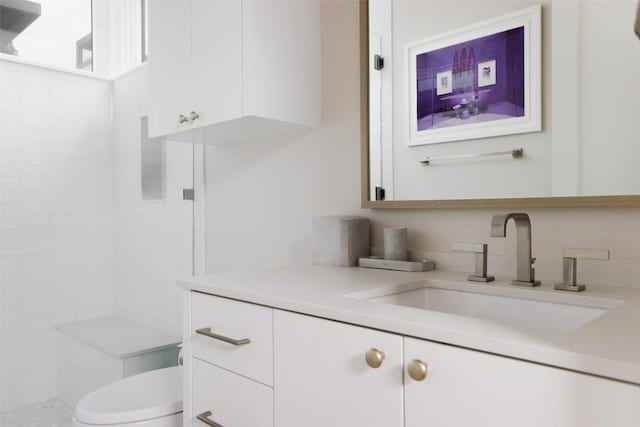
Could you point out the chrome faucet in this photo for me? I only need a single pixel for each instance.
(525, 274)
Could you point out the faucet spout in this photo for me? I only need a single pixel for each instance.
(525, 274)
(499, 223)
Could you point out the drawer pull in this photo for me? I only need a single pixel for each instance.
(204, 417)
(207, 333)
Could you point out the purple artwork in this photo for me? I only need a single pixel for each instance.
(480, 80)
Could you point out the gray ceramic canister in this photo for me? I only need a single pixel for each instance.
(340, 240)
(395, 243)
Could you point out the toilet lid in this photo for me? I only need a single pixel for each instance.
(150, 395)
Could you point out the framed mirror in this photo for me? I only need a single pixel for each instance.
(496, 104)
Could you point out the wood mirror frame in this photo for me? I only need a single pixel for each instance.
(529, 202)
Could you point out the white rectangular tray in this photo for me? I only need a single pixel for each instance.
(388, 264)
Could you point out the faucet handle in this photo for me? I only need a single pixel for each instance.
(477, 248)
(578, 253)
(570, 257)
(480, 250)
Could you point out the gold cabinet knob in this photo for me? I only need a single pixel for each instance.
(418, 370)
(194, 116)
(182, 119)
(374, 357)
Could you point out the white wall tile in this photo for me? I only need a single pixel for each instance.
(56, 219)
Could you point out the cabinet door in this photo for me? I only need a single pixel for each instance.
(322, 379)
(283, 60)
(170, 59)
(231, 399)
(216, 60)
(469, 388)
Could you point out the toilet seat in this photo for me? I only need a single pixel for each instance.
(141, 397)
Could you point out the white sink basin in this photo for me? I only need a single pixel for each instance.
(522, 308)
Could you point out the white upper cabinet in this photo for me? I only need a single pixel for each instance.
(238, 69)
(171, 69)
(216, 60)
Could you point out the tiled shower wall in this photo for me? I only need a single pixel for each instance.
(56, 219)
(153, 232)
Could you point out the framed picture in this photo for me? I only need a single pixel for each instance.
(479, 81)
(443, 82)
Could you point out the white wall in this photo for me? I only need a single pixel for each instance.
(56, 219)
(153, 244)
(117, 36)
(261, 197)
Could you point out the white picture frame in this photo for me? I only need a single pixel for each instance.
(530, 121)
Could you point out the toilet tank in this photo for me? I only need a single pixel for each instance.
(95, 352)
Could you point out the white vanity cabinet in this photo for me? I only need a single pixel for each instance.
(239, 69)
(228, 362)
(470, 388)
(299, 370)
(229, 399)
(321, 378)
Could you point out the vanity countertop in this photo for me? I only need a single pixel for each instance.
(608, 346)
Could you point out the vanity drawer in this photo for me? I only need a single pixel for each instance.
(229, 399)
(233, 335)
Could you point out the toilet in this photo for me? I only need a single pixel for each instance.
(150, 399)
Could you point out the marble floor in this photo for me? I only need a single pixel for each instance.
(52, 413)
